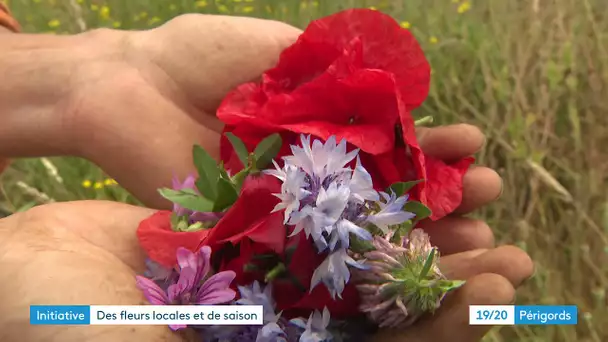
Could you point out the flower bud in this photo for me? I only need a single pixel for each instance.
(403, 282)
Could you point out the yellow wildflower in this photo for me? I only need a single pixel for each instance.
(433, 40)
(373, 8)
(200, 4)
(465, 6)
(86, 184)
(406, 24)
(116, 24)
(223, 9)
(248, 9)
(109, 182)
(104, 13)
(98, 185)
(79, 1)
(54, 23)
(94, 8)
(143, 15)
(303, 5)
(154, 20)
(315, 4)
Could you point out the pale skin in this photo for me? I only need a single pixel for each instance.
(134, 103)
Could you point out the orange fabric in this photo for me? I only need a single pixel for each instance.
(10, 23)
(7, 20)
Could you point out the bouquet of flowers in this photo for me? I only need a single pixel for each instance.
(313, 210)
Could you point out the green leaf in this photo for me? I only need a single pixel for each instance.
(450, 285)
(208, 172)
(239, 178)
(26, 207)
(175, 219)
(421, 210)
(402, 230)
(223, 172)
(187, 198)
(358, 245)
(181, 226)
(226, 195)
(266, 150)
(196, 226)
(401, 188)
(428, 264)
(239, 148)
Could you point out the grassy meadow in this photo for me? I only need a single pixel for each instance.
(532, 73)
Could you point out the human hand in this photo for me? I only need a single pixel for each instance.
(467, 247)
(80, 253)
(91, 247)
(133, 102)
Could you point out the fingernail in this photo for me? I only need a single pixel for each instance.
(502, 187)
(525, 281)
(483, 144)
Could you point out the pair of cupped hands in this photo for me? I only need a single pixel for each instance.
(142, 99)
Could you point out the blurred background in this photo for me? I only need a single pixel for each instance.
(532, 73)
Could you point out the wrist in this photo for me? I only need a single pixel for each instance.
(38, 95)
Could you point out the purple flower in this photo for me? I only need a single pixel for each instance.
(187, 184)
(191, 286)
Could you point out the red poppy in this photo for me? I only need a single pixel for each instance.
(251, 216)
(161, 242)
(354, 75)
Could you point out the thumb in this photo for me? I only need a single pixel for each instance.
(209, 55)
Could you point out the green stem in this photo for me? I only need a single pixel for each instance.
(275, 272)
(427, 120)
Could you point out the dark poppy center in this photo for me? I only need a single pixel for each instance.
(399, 136)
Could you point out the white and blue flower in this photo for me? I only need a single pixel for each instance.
(315, 327)
(334, 272)
(331, 202)
(391, 212)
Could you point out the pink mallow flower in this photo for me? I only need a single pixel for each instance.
(192, 286)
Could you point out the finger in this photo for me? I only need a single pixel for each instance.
(481, 185)
(458, 234)
(452, 142)
(229, 51)
(451, 321)
(510, 262)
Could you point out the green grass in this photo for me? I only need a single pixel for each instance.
(533, 74)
